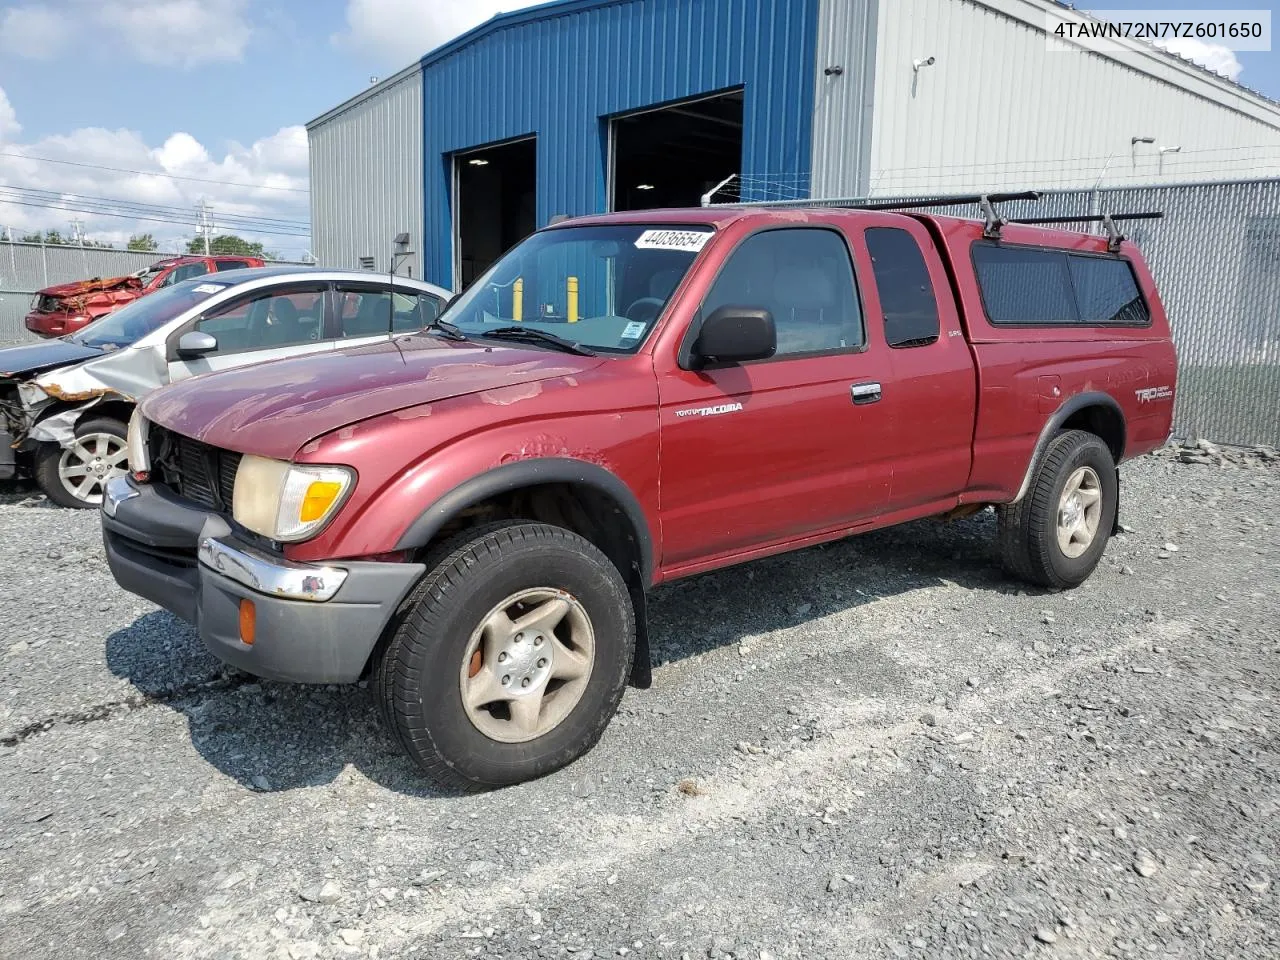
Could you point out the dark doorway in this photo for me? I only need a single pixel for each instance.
(497, 203)
(671, 156)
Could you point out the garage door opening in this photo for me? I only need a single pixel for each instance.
(496, 203)
(672, 155)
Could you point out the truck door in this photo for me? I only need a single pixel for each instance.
(934, 382)
(770, 451)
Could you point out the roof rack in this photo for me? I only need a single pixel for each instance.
(985, 201)
(1108, 221)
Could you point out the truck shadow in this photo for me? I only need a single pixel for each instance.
(271, 737)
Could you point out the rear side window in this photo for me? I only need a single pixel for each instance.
(221, 265)
(906, 293)
(1107, 292)
(1030, 286)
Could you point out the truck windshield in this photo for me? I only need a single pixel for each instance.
(134, 321)
(601, 287)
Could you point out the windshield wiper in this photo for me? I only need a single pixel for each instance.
(446, 329)
(533, 335)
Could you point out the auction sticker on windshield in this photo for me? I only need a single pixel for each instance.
(688, 241)
(207, 288)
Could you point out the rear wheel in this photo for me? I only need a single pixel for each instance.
(75, 475)
(1055, 536)
(510, 657)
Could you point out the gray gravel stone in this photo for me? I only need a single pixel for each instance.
(129, 758)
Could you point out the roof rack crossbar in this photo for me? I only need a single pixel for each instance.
(950, 201)
(1108, 221)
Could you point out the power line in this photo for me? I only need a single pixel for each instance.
(122, 208)
(141, 206)
(150, 173)
(186, 222)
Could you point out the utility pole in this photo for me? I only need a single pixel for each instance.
(204, 224)
(77, 231)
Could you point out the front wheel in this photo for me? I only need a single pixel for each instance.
(75, 475)
(1055, 535)
(510, 657)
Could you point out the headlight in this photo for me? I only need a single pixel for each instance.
(136, 445)
(288, 501)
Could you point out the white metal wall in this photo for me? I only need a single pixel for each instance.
(366, 175)
(998, 110)
(843, 98)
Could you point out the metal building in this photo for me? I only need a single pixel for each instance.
(581, 106)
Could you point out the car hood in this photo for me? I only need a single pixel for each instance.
(81, 287)
(273, 409)
(32, 358)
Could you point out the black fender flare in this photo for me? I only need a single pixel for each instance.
(536, 471)
(531, 473)
(1071, 405)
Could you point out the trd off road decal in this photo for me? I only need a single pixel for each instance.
(1152, 394)
(710, 411)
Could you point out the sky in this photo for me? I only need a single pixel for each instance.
(205, 100)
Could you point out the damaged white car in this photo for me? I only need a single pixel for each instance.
(65, 404)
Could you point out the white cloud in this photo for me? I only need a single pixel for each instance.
(254, 173)
(392, 33)
(9, 125)
(35, 32)
(167, 33)
(178, 33)
(1221, 60)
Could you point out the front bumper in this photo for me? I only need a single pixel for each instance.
(8, 456)
(314, 624)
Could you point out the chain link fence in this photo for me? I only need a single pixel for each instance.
(1216, 260)
(28, 267)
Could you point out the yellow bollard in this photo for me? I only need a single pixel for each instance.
(517, 300)
(573, 299)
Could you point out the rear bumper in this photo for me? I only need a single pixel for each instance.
(314, 624)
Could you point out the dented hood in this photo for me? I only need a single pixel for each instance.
(273, 409)
(81, 287)
(32, 358)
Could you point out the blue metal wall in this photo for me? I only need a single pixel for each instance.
(559, 70)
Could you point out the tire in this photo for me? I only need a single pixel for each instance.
(1032, 531)
(75, 476)
(438, 648)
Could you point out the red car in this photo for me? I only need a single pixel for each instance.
(473, 516)
(66, 307)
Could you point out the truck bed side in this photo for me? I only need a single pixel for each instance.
(1037, 377)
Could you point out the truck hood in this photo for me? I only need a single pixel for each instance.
(81, 287)
(273, 409)
(32, 358)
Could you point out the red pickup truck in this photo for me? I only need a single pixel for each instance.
(473, 515)
(68, 307)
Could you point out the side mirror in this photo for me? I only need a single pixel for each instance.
(196, 343)
(736, 335)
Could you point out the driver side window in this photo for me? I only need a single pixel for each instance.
(804, 278)
(267, 319)
(185, 272)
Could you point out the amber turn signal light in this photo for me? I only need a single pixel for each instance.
(248, 622)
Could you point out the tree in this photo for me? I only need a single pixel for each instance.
(52, 237)
(142, 243)
(228, 243)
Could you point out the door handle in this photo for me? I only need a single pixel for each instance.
(865, 393)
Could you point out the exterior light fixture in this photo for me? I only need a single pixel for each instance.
(916, 65)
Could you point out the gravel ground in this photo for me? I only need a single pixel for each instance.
(874, 749)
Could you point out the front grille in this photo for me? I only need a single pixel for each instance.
(195, 470)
